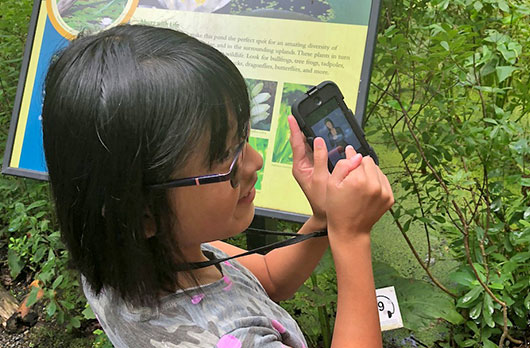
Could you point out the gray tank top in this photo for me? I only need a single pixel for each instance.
(232, 312)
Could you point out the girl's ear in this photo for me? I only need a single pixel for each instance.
(149, 225)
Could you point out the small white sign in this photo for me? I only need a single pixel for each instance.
(387, 304)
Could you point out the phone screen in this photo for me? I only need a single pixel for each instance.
(329, 122)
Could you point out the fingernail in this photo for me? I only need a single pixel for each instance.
(317, 144)
(349, 147)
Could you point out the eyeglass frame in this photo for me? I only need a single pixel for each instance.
(203, 179)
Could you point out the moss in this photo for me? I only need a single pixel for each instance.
(51, 336)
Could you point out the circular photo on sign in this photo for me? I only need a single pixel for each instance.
(70, 17)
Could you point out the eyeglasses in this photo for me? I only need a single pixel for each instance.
(208, 179)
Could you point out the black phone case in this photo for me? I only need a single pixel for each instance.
(365, 149)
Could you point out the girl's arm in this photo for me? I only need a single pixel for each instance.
(282, 271)
(356, 200)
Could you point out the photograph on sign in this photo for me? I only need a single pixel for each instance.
(282, 48)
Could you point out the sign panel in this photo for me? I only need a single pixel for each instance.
(281, 47)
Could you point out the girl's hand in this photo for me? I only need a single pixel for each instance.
(310, 169)
(357, 196)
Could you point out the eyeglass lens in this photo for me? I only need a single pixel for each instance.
(234, 176)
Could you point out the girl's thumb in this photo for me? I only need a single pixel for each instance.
(320, 157)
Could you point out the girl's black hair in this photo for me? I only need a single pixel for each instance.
(122, 109)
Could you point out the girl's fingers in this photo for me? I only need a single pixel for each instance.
(320, 158)
(356, 159)
(372, 170)
(350, 152)
(297, 140)
(344, 167)
(387, 189)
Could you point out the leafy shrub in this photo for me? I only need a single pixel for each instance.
(450, 91)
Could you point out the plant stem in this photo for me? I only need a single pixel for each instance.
(322, 317)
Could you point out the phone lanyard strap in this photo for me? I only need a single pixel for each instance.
(296, 238)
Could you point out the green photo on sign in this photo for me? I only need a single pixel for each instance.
(262, 94)
(282, 149)
(332, 11)
(90, 15)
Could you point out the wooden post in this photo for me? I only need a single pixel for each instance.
(8, 305)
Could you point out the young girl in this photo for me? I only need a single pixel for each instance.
(145, 136)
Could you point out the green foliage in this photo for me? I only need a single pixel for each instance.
(14, 19)
(35, 248)
(314, 305)
(451, 96)
(54, 337)
(101, 340)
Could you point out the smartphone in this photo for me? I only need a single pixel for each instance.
(321, 112)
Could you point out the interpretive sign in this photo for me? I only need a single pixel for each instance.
(281, 47)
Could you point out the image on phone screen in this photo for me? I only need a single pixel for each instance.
(329, 123)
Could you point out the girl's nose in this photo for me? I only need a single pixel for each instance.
(255, 161)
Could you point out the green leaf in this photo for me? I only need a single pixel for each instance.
(527, 301)
(32, 298)
(488, 344)
(503, 72)
(503, 5)
(473, 327)
(37, 204)
(464, 277)
(88, 313)
(420, 303)
(439, 218)
(467, 300)
(474, 313)
(445, 45)
(39, 254)
(521, 257)
(67, 304)
(496, 286)
(488, 310)
(52, 307)
(406, 226)
(468, 343)
(15, 263)
(57, 281)
(75, 322)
